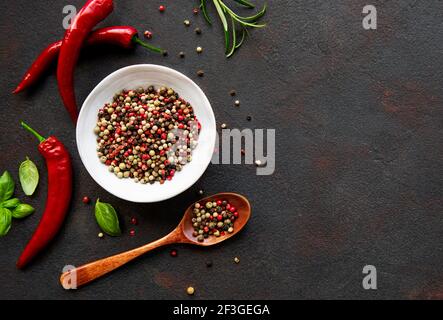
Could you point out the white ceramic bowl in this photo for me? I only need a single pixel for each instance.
(133, 77)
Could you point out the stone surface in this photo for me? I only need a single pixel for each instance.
(359, 153)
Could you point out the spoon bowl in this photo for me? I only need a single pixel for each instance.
(238, 201)
(183, 233)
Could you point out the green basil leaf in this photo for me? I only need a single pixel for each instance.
(7, 186)
(107, 218)
(11, 203)
(28, 174)
(22, 211)
(5, 221)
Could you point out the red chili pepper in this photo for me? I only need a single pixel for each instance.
(122, 36)
(59, 167)
(88, 17)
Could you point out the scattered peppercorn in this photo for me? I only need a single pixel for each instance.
(209, 264)
(195, 11)
(190, 291)
(101, 235)
(243, 152)
(213, 218)
(173, 253)
(147, 34)
(187, 23)
(224, 125)
(237, 260)
(200, 73)
(199, 49)
(86, 200)
(134, 221)
(132, 233)
(258, 163)
(165, 53)
(237, 103)
(135, 134)
(249, 118)
(198, 31)
(162, 8)
(232, 93)
(201, 192)
(181, 54)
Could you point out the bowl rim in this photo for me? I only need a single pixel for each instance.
(159, 68)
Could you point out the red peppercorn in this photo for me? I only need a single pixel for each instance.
(195, 11)
(147, 34)
(206, 229)
(86, 200)
(236, 214)
(228, 206)
(173, 253)
(134, 221)
(162, 8)
(219, 202)
(232, 209)
(219, 217)
(132, 233)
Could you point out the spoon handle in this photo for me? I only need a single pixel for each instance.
(82, 275)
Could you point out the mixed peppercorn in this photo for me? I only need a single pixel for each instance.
(147, 135)
(214, 218)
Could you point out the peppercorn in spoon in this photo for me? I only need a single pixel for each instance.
(236, 209)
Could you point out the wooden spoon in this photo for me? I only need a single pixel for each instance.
(80, 276)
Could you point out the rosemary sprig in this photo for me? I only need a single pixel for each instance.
(233, 24)
(246, 3)
(204, 9)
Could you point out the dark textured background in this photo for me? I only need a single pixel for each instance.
(359, 123)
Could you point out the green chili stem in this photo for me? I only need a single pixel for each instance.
(35, 133)
(137, 40)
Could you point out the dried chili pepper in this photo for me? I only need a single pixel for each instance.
(122, 36)
(59, 167)
(88, 17)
